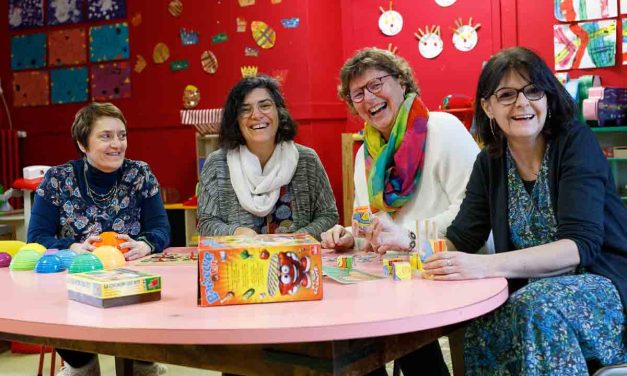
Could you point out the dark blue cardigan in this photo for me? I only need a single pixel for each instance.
(584, 198)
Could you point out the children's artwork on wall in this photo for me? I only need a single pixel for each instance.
(263, 34)
(109, 42)
(68, 85)
(140, 64)
(246, 3)
(392, 48)
(111, 81)
(209, 62)
(28, 51)
(280, 75)
(390, 21)
(445, 3)
(465, 37)
(430, 43)
(25, 14)
(219, 38)
(250, 51)
(65, 12)
(136, 20)
(30, 88)
(623, 7)
(178, 65)
(275, 1)
(188, 37)
(161, 53)
(106, 9)
(241, 24)
(191, 97)
(67, 47)
(585, 45)
(581, 10)
(624, 40)
(290, 23)
(248, 71)
(175, 8)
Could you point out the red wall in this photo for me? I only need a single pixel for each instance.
(329, 32)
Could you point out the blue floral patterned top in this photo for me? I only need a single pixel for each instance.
(69, 199)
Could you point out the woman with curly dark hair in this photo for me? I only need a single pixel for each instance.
(260, 181)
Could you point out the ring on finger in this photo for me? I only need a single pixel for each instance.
(449, 262)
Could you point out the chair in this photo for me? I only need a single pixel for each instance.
(53, 357)
(461, 106)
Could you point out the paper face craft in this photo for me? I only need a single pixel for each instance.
(465, 37)
(430, 43)
(390, 22)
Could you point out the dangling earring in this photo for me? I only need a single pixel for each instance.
(549, 114)
(492, 128)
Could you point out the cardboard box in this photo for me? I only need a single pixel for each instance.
(620, 152)
(258, 269)
(115, 287)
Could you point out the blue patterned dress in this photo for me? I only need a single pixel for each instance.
(552, 326)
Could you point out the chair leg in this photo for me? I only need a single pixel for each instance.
(396, 370)
(53, 358)
(41, 361)
(456, 344)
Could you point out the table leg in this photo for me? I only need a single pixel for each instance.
(123, 367)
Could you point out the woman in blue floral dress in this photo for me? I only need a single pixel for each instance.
(102, 191)
(545, 190)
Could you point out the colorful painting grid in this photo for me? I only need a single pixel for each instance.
(68, 85)
(585, 45)
(25, 14)
(581, 10)
(30, 88)
(65, 12)
(106, 9)
(108, 42)
(28, 51)
(111, 81)
(624, 20)
(67, 47)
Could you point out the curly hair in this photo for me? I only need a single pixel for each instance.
(87, 116)
(530, 66)
(230, 134)
(375, 58)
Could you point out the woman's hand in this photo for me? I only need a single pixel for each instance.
(135, 249)
(85, 246)
(244, 231)
(385, 235)
(337, 238)
(452, 265)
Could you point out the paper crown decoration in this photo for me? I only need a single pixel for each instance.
(241, 24)
(188, 37)
(249, 71)
(245, 3)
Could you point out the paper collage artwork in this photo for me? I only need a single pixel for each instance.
(624, 40)
(581, 10)
(25, 13)
(111, 81)
(65, 12)
(106, 9)
(30, 88)
(68, 85)
(585, 45)
(67, 47)
(108, 42)
(623, 7)
(28, 51)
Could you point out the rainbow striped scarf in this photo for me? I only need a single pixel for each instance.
(393, 169)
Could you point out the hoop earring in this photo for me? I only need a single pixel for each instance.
(492, 128)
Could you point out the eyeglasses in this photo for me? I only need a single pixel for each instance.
(265, 106)
(374, 86)
(509, 95)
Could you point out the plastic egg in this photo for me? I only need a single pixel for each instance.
(11, 246)
(111, 257)
(85, 262)
(51, 251)
(35, 247)
(67, 256)
(110, 238)
(25, 259)
(49, 264)
(5, 259)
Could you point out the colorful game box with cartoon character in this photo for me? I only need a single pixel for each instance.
(258, 269)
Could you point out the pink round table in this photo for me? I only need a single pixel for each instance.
(36, 307)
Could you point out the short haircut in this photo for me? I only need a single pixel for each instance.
(87, 116)
(375, 58)
(230, 135)
(561, 106)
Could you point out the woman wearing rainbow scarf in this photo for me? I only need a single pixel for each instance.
(413, 165)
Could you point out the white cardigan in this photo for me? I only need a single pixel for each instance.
(450, 154)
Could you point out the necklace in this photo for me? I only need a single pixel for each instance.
(102, 200)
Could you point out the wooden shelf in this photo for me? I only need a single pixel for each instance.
(608, 129)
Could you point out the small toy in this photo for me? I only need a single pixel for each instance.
(11, 246)
(25, 259)
(293, 273)
(49, 264)
(67, 256)
(363, 217)
(35, 247)
(110, 238)
(345, 262)
(438, 245)
(5, 259)
(414, 261)
(85, 262)
(110, 256)
(401, 270)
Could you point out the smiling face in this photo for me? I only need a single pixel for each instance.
(258, 119)
(430, 45)
(106, 144)
(522, 120)
(378, 109)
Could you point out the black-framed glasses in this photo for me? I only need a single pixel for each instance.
(509, 95)
(265, 106)
(374, 86)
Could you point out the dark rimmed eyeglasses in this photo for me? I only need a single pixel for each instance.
(265, 106)
(509, 95)
(373, 86)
